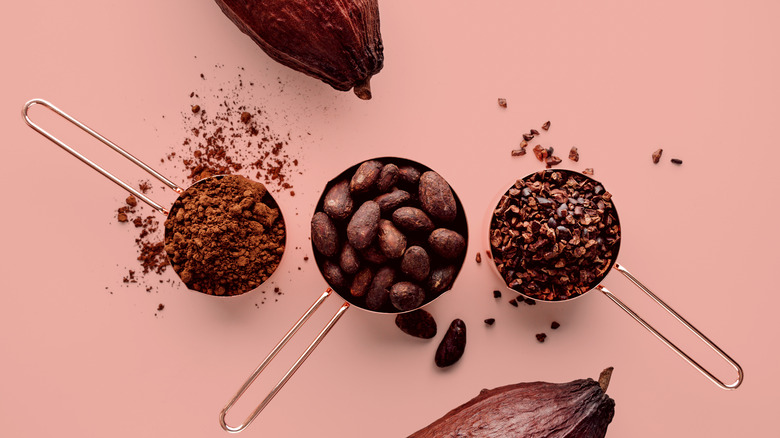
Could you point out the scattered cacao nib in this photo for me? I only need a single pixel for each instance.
(553, 161)
(479, 258)
(518, 152)
(534, 132)
(588, 171)
(418, 323)
(528, 137)
(540, 152)
(541, 337)
(574, 155)
(676, 161)
(502, 102)
(513, 302)
(490, 321)
(452, 346)
(195, 109)
(489, 256)
(160, 307)
(657, 155)
(496, 294)
(554, 325)
(546, 125)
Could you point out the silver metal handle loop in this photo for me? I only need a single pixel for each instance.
(292, 369)
(90, 163)
(668, 343)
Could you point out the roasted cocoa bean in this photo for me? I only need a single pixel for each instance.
(453, 345)
(409, 175)
(418, 323)
(441, 278)
(338, 202)
(390, 201)
(416, 263)
(391, 241)
(333, 275)
(387, 177)
(324, 235)
(436, 197)
(406, 295)
(349, 259)
(363, 226)
(413, 220)
(373, 254)
(361, 282)
(447, 243)
(365, 177)
(379, 292)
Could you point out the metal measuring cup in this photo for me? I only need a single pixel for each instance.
(595, 284)
(349, 301)
(182, 193)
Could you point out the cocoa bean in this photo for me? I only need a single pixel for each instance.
(324, 235)
(379, 292)
(390, 201)
(333, 275)
(441, 279)
(338, 202)
(365, 177)
(413, 220)
(349, 259)
(416, 263)
(391, 241)
(447, 243)
(409, 175)
(452, 345)
(373, 254)
(406, 295)
(418, 323)
(363, 226)
(387, 177)
(436, 197)
(361, 282)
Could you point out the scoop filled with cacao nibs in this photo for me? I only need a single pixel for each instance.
(555, 235)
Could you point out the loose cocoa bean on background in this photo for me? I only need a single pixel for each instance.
(452, 346)
(418, 323)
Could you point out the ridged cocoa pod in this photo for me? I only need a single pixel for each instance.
(337, 42)
(578, 409)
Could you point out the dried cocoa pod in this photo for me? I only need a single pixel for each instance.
(379, 292)
(324, 235)
(436, 197)
(577, 409)
(418, 323)
(391, 201)
(338, 202)
(447, 243)
(413, 220)
(441, 279)
(406, 295)
(333, 275)
(361, 282)
(365, 177)
(349, 259)
(416, 263)
(387, 177)
(452, 345)
(363, 226)
(391, 241)
(336, 42)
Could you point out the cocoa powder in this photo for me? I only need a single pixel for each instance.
(224, 235)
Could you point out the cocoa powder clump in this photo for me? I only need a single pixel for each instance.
(225, 235)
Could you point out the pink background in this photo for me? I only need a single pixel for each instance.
(617, 79)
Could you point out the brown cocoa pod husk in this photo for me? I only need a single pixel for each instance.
(418, 323)
(379, 292)
(579, 408)
(349, 260)
(365, 177)
(390, 201)
(447, 243)
(338, 203)
(361, 281)
(387, 177)
(333, 275)
(391, 241)
(337, 42)
(441, 279)
(363, 227)
(436, 197)
(324, 235)
(413, 220)
(406, 295)
(416, 263)
(452, 346)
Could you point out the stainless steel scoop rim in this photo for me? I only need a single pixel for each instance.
(122, 152)
(598, 286)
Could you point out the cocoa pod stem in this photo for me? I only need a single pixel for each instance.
(363, 89)
(604, 378)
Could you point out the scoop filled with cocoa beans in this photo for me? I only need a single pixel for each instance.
(389, 236)
(554, 235)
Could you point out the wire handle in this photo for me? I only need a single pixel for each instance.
(90, 163)
(292, 369)
(668, 343)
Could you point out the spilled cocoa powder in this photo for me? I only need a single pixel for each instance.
(224, 235)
